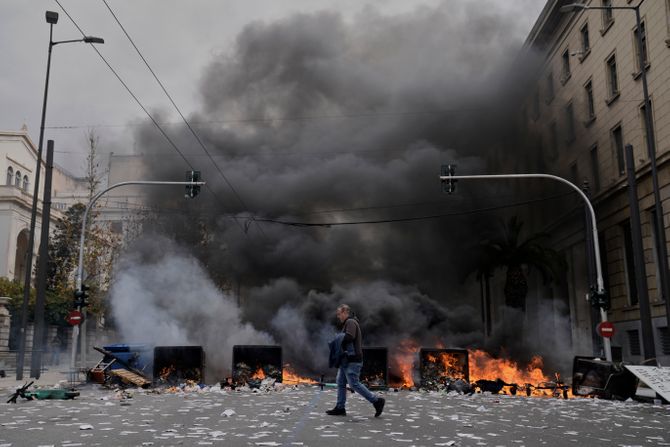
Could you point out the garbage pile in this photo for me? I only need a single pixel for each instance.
(267, 375)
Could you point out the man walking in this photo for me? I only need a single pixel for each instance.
(350, 365)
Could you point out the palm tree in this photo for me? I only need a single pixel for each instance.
(508, 252)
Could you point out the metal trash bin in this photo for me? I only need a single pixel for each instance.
(262, 359)
(600, 378)
(177, 364)
(437, 363)
(374, 373)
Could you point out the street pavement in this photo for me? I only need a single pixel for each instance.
(294, 416)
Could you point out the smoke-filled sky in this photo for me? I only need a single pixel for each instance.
(329, 118)
(178, 38)
(313, 112)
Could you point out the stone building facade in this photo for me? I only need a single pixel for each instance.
(586, 105)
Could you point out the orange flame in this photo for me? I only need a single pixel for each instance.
(451, 364)
(403, 362)
(259, 374)
(483, 366)
(289, 376)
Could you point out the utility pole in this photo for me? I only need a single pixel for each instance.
(40, 300)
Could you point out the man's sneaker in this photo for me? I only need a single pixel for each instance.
(379, 406)
(337, 412)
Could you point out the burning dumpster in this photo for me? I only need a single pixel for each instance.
(177, 364)
(375, 368)
(600, 378)
(253, 363)
(439, 367)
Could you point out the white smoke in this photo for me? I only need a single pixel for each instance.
(162, 296)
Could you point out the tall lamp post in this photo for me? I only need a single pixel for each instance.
(661, 244)
(52, 19)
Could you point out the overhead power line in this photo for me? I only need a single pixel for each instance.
(299, 118)
(153, 120)
(409, 219)
(357, 222)
(188, 125)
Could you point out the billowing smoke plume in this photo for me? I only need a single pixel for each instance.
(163, 297)
(318, 119)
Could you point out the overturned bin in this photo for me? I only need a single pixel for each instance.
(437, 366)
(253, 363)
(130, 363)
(177, 364)
(599, 378)
(374, 373)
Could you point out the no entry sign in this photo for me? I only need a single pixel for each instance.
(605, 329)
(74, 318)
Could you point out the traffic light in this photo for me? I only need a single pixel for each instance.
(449, 184)
(599, 299)
(192, 190)
(81, 296)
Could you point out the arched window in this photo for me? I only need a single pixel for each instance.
(17, 181)
(10, 175)
(25, 183)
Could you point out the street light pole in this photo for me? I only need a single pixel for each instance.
(52, 19)
(33, 213)
(661, 243)
(82, 241)
(600, 284)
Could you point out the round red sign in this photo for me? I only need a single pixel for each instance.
(74, 318)
(605, 329)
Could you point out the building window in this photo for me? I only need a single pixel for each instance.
(612, 79)
(595, 169)
(565, 73)
(634, 342)
(664, 336)
(17, 179)
(640, 49)
(25, 183)
(550, 87)
(569, 123)
(590, 103)
(10, 176)
(586, 44)
(629, 265)
(617, 145)
(608, 15)
(644, 118)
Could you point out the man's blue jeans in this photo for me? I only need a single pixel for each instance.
(350, 372)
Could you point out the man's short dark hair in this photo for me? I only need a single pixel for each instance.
(344, 307)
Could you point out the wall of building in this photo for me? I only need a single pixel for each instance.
(585, 147)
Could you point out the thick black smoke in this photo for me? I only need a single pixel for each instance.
(316, 119)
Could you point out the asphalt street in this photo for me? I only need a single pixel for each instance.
(295, 417)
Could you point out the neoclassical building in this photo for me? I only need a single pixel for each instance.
(18, 159)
